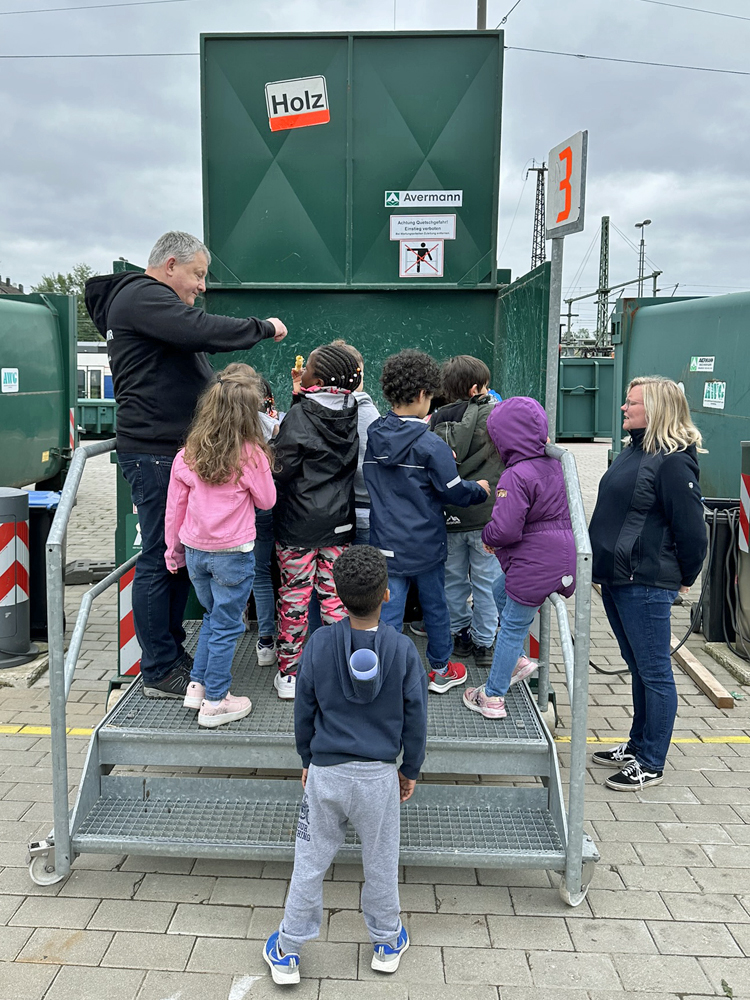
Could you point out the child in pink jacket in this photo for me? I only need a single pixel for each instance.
(218, 479)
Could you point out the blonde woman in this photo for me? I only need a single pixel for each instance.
(218, 479)
(649, 540)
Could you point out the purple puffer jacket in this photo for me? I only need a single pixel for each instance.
(530, 525)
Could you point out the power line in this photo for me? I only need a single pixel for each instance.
(512, 221)
(105, 55)
(697, 10)
(507, 15)
(95, 6)
(633, 62)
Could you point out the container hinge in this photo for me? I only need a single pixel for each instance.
(66, 453)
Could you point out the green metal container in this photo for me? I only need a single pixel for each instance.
(38, 397)
(702, 344)
(584, 398)
(97, 418)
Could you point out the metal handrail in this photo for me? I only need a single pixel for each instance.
(62, 668)
(576, 660)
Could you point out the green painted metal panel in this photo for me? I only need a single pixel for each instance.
(306, 206)
(660, 337)
(584, 398)
(38, 336)
(520, 355)
(378, 323)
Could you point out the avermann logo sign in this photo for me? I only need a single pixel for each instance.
(402, 199)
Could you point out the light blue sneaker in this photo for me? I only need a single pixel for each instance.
(385, 958)
(284, 971)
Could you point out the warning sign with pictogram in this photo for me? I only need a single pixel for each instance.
(420, 258)
(297, 103)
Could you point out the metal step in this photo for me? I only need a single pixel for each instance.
(142, 730)
(456, 826)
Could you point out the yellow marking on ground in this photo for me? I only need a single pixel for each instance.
(9, 729)
(40, 731)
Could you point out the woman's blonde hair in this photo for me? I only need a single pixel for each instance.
(226, 420)
(669, 426)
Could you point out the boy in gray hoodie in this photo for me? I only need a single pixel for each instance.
(361, 700)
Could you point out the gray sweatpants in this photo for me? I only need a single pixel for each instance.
(367, 794)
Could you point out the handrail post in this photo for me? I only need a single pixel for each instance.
(542, 692)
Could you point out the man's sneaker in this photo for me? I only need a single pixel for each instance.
(483, 655)
(418, 628)
(490, 706)
(195, 694)
(284, 971)
(616, 757)
(265, 650)
(229, 709)
(524, 668)
(285, 685)
(462, 644)
(172, 685)
(633, 778)
(385, 958)
(454, 675)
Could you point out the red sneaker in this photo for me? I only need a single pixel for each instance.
(454, 675)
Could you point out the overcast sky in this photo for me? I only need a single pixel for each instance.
(99, 156)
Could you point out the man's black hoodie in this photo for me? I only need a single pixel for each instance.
(156, 348)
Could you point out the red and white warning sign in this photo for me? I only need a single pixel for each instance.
(297, 103)
(420, 258)
(130, 650)
(745, 512)
(14, 563)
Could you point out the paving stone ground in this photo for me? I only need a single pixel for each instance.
(667, 914)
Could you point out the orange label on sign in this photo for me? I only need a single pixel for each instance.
(297, 103)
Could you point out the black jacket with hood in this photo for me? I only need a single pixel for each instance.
(316, 458)
(648, 527)
(342, 713)
(156, 348)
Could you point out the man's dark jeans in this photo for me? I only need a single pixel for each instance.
(159, 597)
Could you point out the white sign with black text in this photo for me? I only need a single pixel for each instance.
(425, 227)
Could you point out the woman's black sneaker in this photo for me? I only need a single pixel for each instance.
(462, 644)
(483, 656)
(172, 685)
(616, 757)
(633, 778)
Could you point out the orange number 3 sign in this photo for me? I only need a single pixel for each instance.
(566, 156)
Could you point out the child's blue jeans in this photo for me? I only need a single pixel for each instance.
(265, 601)
(515, 622)
(470, 571)
(222, 581)
(431, 588)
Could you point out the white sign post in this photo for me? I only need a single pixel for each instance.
(566, 198)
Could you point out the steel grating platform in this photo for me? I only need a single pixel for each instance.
(464, 827)
(449, 723)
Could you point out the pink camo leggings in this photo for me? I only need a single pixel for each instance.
(302, 571)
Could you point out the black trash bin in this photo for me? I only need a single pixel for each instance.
(716, 608)
(42, 507)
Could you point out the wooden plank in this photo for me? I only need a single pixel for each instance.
(702, 676)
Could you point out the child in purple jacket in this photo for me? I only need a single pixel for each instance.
(532, 537)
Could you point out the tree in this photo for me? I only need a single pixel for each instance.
(73, 284)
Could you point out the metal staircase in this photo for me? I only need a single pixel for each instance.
(123, 807)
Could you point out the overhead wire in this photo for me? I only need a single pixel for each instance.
(697, 10)
(502, 22)
(585, 260)
(95, 6)
(512, 221)
(632, 62)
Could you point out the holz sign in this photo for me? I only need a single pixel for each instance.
(297, 103)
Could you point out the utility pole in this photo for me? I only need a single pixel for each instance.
(602, 308)
(641, 255)
(538, 244)
(481, 15)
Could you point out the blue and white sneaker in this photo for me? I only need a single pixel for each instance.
(385, 958)
(284, 971)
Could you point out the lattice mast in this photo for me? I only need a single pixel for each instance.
(602, 309)
(538, 246)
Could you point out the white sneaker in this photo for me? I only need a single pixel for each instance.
(194, 695)
(229, 709)
(285, 685)
(266, 654)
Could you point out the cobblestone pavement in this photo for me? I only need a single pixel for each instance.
(667, 915)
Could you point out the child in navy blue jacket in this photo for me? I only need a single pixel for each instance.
(411, 475)
(361, 699)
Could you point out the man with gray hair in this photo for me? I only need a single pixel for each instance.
(156, 341)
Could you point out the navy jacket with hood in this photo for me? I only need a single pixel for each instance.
(156, 348)
(344, 712)
(411, 475)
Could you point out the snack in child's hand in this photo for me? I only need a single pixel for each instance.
(299, 363)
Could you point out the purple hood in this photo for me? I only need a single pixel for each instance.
(518, 428)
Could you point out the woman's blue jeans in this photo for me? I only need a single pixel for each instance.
(515, 622)
(222, 581)
(640, 617)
